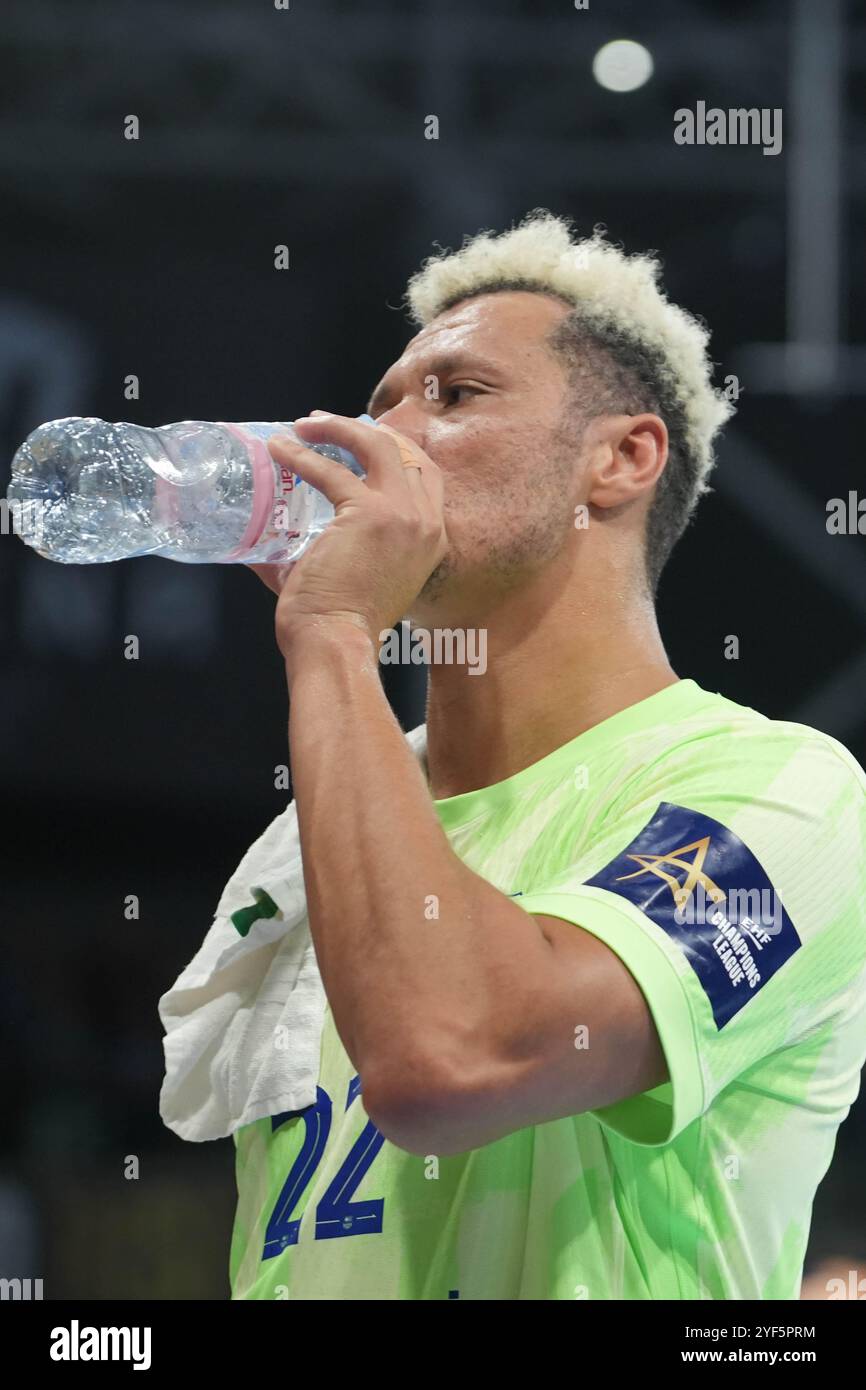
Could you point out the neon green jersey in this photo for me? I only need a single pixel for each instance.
(720, 855)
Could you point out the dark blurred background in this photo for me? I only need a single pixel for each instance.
(305, 126)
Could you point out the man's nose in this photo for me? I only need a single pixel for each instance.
(407, 419)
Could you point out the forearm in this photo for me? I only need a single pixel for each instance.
(420, 957)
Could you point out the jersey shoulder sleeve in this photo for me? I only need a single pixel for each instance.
(728, 876)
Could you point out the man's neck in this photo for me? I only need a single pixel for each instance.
(554, 669)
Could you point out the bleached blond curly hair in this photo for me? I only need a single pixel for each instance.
(627, 347)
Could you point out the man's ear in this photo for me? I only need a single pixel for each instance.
(629, 453)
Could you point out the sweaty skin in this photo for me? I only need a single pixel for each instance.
(572, 634)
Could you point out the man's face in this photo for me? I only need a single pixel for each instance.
(479, 392)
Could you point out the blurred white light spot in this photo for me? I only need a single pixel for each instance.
(622, 65)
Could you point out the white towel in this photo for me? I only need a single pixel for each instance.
(243, 1021)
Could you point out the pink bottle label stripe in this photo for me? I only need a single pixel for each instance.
(263, 488)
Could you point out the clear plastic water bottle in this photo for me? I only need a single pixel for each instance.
(84, 491)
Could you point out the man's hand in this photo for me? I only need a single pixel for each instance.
(387, 536)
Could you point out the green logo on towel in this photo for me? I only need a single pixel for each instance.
(264, 906)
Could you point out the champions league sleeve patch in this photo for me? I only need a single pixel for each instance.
(697, 881)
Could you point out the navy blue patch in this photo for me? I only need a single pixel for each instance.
(696, 880)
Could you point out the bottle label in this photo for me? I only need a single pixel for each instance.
(284, 506)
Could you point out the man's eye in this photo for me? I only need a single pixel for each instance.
(451, 391)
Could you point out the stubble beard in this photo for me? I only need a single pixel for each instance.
(524, 528)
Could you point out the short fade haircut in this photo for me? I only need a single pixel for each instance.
(626, 348)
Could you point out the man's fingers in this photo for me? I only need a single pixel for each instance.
(333, 480)
(383, 466)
